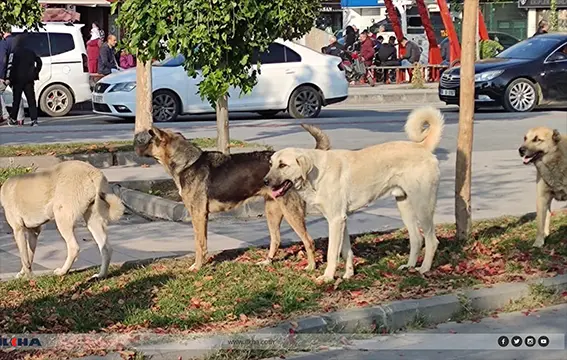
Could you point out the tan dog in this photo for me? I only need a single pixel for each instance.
(339, 182)
(64, 193)
(547, 150)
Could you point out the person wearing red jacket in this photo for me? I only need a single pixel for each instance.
(366, 48)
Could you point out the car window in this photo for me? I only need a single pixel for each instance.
(38, 42)
(61, 43)
(504, 39)
(530, 49)
(174, 61)
(274, 55)
(291, 56)
(559, 55)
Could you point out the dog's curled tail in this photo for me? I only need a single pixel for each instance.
(415, 127)
(322, 141)
(107, 204)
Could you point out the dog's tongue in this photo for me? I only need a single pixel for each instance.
(526, 160)
(277, 193)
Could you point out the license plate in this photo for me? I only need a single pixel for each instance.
(446, 92)
(97, 99)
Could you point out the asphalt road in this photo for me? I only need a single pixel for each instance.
(467, 341)
(348, 127)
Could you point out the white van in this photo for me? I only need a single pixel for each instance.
(64, 78)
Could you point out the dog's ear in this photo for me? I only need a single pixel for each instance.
(155, 132)
(556, 136)
(305, 164)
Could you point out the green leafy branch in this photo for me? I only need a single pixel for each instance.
(21, 13)
(218, 39)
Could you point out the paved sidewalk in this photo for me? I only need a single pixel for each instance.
(501, 185)
(466, 341)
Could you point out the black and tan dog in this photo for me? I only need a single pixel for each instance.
(210, 181)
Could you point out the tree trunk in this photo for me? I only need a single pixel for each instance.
(466, 115)
(222, 125)
(144, 100)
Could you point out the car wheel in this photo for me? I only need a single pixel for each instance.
(520, 96)
(268, 113)
(166, 106)
(305, 102)
(56, 101)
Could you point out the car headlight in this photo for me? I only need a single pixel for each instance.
(125, 86)
(487, 75)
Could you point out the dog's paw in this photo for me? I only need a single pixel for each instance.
(59, 271)
(21, 275)
(264, 262)
(324, 279)
(538, 243)
(422, 270)
(195, 267)
(403, 267)
(96, 277)
(348, 274)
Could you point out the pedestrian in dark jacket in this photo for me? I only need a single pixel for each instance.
(366, 48)
(334, 48)
(387, 53)
(24, 67)
(542, 28)
(5, 50)
(350, 37)
(413, 52)
(107, 56)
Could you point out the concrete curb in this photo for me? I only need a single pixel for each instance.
(406, 96)
(395, 315)
(99, 160)
(158, 208)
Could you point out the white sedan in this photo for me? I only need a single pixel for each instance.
(293, 78)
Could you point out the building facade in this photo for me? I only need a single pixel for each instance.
(331, 17)
(540, 10)
(362, 13)
(88, 11)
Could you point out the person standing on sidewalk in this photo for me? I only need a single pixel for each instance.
(24, 67)
(107, 57)
(5, 50)
(93, 48)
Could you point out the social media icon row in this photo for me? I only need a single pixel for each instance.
(517, 341)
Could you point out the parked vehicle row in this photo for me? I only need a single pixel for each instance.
(293, 78)
(529, 74)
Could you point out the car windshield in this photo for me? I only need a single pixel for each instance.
(530, 49)
(172, 61)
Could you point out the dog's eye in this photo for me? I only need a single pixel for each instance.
(282, 165)
(525, 138)
(536, 139)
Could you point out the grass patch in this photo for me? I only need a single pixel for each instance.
(6, 173)
(231, 294)
(97, 147)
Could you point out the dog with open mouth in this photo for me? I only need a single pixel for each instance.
(339, 182)
(210, 181)
(546, 149)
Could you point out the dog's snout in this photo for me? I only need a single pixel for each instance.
(522, 150)
(266, 181)
(142, 138)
